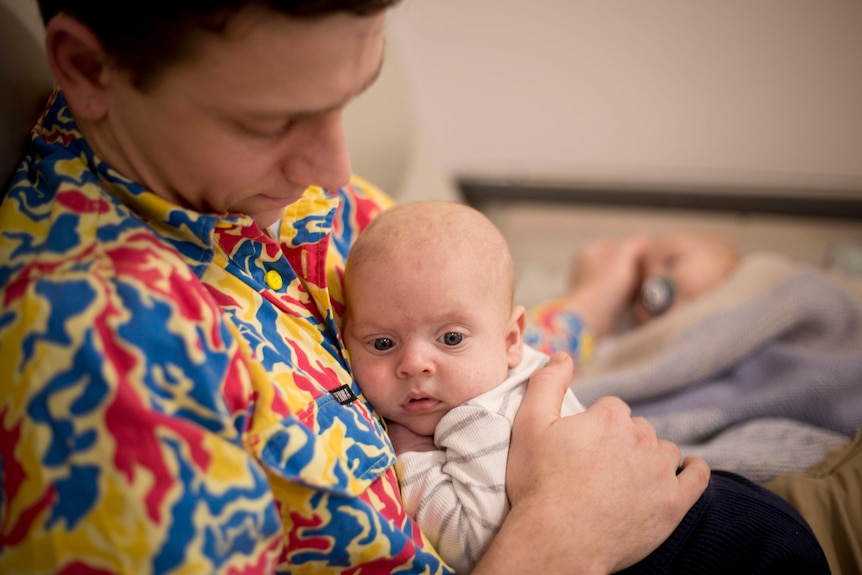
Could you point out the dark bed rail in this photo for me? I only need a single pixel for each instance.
(803, 203)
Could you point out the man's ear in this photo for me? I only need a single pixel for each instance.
(515, 336)
(78, 62)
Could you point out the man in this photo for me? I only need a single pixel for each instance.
(175, 393)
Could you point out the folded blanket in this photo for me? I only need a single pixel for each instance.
(761, 376)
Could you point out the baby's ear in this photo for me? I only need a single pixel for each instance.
(78, 62)
(515, 336)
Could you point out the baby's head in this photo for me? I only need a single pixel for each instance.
(693, 262)
(429, 321)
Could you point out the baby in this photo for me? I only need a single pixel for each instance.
(436, 346)
(621, 282)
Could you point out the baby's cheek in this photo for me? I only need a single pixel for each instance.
(485, 380)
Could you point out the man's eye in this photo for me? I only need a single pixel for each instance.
(273, 134)
(452, 338)
(383, 343)
(268, 131)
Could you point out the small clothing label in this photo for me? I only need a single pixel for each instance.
(343, 394)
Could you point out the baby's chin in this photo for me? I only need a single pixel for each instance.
(424, 426)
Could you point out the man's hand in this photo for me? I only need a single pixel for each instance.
(594, 492)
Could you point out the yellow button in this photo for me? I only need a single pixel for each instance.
(273, 279)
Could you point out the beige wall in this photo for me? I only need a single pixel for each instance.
(733, 93)
(717, 93)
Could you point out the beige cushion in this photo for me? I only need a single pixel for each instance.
(25, 80)
(387, 146)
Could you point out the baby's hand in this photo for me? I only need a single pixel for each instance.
(404, 440)
(606, 277)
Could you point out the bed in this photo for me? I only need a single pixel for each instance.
(763, 374)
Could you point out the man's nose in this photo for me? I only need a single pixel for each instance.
(319, 154)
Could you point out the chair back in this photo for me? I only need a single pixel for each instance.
(25, 81)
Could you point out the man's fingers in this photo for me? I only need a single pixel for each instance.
(544, 396)
(612, 408)
(673, 454)
(693, 479)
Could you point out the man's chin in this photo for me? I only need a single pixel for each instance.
(265, 219)
(266, 209)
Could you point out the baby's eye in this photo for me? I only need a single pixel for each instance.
(383, 343)
(451, 338)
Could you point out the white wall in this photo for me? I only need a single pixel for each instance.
(731, 92)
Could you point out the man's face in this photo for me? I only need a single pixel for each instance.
(251, 118)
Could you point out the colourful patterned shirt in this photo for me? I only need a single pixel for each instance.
(175, 393)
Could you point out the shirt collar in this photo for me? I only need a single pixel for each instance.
(177, 225)
(306, 222)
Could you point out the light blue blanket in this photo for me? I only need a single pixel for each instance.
(761, 377)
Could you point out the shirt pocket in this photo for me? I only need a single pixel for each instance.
(326, 445)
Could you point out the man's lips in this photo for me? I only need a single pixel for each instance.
(283, 199)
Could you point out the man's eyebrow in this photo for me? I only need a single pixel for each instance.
(368, 83)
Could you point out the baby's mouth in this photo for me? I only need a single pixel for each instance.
(420, 404)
